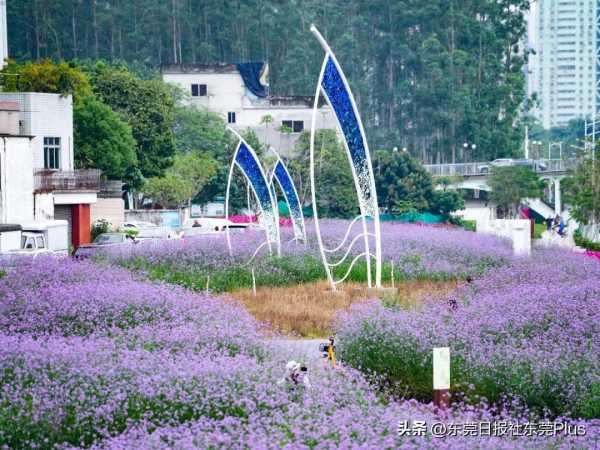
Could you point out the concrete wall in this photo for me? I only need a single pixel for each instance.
(44, 206)
(111, 209)
(16, 180)
(161, 217)
(46, 115)
(477, 210)
(517, 230)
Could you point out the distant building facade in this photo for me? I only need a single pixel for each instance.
(244, 103)
(563, 71)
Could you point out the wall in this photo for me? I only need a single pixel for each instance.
(476, 210)
(161, 217)
(44, 206)
(16, 180)
(111, 209)
(46, 115)
(226, 92)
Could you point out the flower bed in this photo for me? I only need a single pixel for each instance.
(91, 356)
(530, 329)
(417, 252)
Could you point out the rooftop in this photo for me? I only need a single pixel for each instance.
(198, 68)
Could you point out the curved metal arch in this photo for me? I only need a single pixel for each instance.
(333, 85)
(284, 179)
(246, 160)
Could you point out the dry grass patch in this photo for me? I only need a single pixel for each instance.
(309, 310)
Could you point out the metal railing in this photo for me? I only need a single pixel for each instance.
(483, 168)
(62, 180)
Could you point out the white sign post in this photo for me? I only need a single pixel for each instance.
(441, 377)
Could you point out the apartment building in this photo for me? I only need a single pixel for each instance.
(239, 93)
(563, 72)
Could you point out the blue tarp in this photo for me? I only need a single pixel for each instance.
(250, 73)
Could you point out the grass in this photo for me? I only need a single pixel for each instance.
(310, 310)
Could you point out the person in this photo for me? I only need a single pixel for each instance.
(548, 223)
(561, 227)
(196, 224)
(295, 375)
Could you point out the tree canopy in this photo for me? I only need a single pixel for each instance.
(511, 184)
(103, 140)
(582, 191)
(428, 75)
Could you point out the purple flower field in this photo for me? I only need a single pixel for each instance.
(418, 252)
(97, 356)
(529, 329)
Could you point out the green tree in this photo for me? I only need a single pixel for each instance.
(582, 191)
(336, 194)
(103, 140)
(402, 182)
(148, 107)
(510, 185)
(46, 76)
(428, 75)
(182, 181)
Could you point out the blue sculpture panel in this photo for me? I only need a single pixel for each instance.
(287, 186)
(247, 162)
(339, 98)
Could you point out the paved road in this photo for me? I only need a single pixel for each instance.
(305, 350)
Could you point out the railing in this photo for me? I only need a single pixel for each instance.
(483, 168)
(62, 180)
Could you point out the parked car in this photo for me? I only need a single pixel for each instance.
(209, 225)
(102, 241)
(32, 244)
(509, 162)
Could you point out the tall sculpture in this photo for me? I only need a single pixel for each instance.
(281, 174)
(333, 85)
(246, 160)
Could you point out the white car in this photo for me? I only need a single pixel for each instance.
(209, 225)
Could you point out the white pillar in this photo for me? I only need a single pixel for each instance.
(3, 34)
(557, 199)
(520, 231)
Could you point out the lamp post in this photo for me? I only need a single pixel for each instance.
(537, 153)
(466, 146)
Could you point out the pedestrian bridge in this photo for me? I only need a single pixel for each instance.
(474, 176)
(482, 169)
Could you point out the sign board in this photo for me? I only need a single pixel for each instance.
(441, 368)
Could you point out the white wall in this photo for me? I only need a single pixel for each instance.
(226, 92)
(111, 209)
(44, 206)
(16, 179)
(46, 115)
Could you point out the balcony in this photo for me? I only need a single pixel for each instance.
(62, 180)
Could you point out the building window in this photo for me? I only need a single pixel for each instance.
(230, 117)
(297, 126)
(198, 90)
(52, 152)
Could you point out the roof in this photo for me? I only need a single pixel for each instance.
(9, 227)
(199, 68)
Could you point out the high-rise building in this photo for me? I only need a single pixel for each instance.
(563, 71)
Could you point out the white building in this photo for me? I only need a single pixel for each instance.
(221, 88)
(39, 181)
(3, 34)
(563, 71)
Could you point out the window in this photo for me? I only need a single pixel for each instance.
(198, 90)
(52, 152)
(230, 117)
(297, 126)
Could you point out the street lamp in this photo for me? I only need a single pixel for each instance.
(466, 146)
